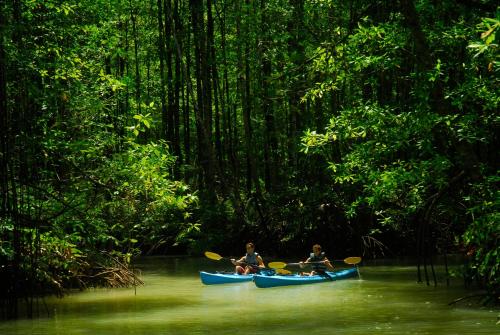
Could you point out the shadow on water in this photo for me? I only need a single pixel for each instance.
(387, 300)
(101, 303)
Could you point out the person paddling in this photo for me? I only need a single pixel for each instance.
(250, 263)
(318, 261)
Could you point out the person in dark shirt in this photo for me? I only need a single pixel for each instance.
(250, 263)
(318, 261)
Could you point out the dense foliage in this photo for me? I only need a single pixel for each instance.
(173, 126)
(420, 162)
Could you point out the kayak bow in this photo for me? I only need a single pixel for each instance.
(210, 278)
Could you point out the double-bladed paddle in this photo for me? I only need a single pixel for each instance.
(348, 260)
(217, 257)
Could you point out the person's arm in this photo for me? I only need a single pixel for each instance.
(302, 264)
(328, 264)
(239, 261)
(261, 262)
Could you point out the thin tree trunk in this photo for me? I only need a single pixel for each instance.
(244, 87)
(161, 54)
(296, 109)
(226, 105)
(270, 140)
(187, 124)
(8, 298)
(14, 124)
(212, 63)
(133, 17)
(205, 150)
(4, 134)
(177, 84)
(167, 7)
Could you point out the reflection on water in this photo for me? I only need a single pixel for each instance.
(173, 301)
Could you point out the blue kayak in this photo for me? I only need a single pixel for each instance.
(210, 278)
(280, 280)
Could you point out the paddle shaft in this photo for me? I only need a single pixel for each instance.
(241, 263)
(216, 257)
(348, 260)
(320, 262)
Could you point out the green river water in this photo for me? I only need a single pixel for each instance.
(387, 300)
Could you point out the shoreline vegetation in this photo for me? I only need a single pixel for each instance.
(133, 127)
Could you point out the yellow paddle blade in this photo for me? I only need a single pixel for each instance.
(283, 271)
(213, 255)
(276, 265)
(352, 260)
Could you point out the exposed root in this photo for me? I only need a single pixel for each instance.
(372, 246)
(118, 274)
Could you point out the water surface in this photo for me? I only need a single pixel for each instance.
(173, 301)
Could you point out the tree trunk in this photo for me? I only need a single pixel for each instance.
(133, 17)
(167, 7)
(205, 150)
(161, 55)
(186, 95)
(177, 84)
(297, 87)
(270, 140)
(212, 63)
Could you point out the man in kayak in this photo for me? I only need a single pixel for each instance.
(318, 261)
(250, 263)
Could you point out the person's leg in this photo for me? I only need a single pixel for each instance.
(249, 270)
(239, 270)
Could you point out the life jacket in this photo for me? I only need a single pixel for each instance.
(252, 259)
(317, 267)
